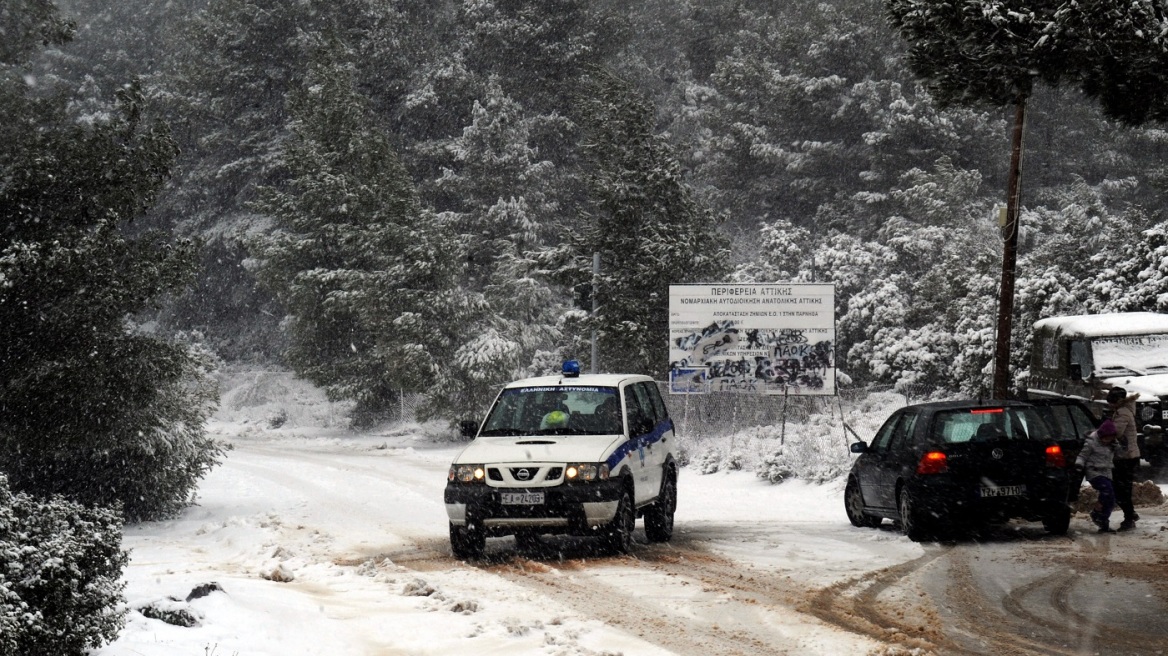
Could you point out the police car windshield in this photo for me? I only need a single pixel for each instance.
(555, 410)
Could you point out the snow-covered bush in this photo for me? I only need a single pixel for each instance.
(815, 451)
(60, 575)
(149, 459)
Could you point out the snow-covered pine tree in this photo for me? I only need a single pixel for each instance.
(91, 407)
(28, 26)
(644, 221)
(539, 48)
(497, 189)
(1122, 56)
(368, 278)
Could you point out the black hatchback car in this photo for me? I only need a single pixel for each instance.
(940, 468)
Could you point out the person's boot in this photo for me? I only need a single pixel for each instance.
(1127, 524)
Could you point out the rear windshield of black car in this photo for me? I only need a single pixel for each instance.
(989, 424)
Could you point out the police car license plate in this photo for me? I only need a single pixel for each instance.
(1003, 491)
(522, 498)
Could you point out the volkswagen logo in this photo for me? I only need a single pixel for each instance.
(997, 454)
(524, 474)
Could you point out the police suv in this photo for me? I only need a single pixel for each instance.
(569, 454)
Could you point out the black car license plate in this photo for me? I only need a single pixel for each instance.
(1003, 491)
(521, 498)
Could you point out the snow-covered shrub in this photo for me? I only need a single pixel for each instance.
(787, 462)
(152, 453)
(715, 460)
(60, 575)
(814, 451)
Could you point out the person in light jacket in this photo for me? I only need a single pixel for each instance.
(1096, 458)
(1127, 458)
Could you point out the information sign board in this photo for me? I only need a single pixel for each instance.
(758, 339)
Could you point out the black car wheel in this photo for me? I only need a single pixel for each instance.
(854, 506)
(619, 538)
(467, 543)
(912, 522)
(659, 516)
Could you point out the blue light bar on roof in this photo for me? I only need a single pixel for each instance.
(571, 368)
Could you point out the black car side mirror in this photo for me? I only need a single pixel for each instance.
(468, 428)
(859, 447)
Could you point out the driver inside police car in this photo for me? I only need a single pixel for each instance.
(555, 410)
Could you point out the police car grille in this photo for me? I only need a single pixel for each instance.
(524, 473)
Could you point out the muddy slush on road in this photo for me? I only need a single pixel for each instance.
(1015, 590)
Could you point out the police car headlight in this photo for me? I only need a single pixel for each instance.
(1148, 412)
(587, 472)
(467, 473)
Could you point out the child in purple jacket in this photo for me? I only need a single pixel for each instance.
(1097, 458)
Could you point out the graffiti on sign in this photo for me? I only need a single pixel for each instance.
(749, 338)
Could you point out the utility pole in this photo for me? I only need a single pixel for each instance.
(1009, 256)
(595, 307)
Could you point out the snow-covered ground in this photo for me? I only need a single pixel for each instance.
(319, 540)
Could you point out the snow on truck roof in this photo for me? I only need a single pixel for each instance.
(1104, 325)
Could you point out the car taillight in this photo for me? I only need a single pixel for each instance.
(933, 462)
(1055, 457)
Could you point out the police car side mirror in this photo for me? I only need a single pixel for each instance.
(468, 428)
(859, 447)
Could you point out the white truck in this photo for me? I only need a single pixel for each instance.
(573, 454)
(1081, 356)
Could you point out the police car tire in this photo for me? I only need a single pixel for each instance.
(466, 544)
(659, 516)
(619, 537)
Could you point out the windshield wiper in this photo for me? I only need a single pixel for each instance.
(501, 432)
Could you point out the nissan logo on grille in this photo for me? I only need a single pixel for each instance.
(522, 473)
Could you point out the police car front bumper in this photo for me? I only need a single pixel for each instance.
(571, 508)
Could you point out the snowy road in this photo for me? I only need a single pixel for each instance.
(337, 545)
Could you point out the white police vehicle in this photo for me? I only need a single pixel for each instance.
(569, 454)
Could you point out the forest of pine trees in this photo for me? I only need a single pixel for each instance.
(406, 194)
